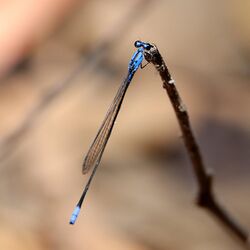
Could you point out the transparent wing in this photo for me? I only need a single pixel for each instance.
(95, 152)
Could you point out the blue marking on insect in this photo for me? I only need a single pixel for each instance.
(137, 58)
(139, 44)
(74, 215)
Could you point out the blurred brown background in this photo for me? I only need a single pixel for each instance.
(143, 194)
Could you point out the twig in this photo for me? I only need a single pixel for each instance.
(206, 197)
(91, 61)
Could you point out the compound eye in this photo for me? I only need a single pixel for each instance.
(138, 44)
(147, 46)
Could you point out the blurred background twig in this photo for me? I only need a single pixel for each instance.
(89, 62)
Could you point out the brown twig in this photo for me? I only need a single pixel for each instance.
(206, 197)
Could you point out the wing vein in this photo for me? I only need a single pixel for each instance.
(96, 149)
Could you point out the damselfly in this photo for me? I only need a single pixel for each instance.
(96, 150)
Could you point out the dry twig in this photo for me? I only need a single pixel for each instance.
(206, 197)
